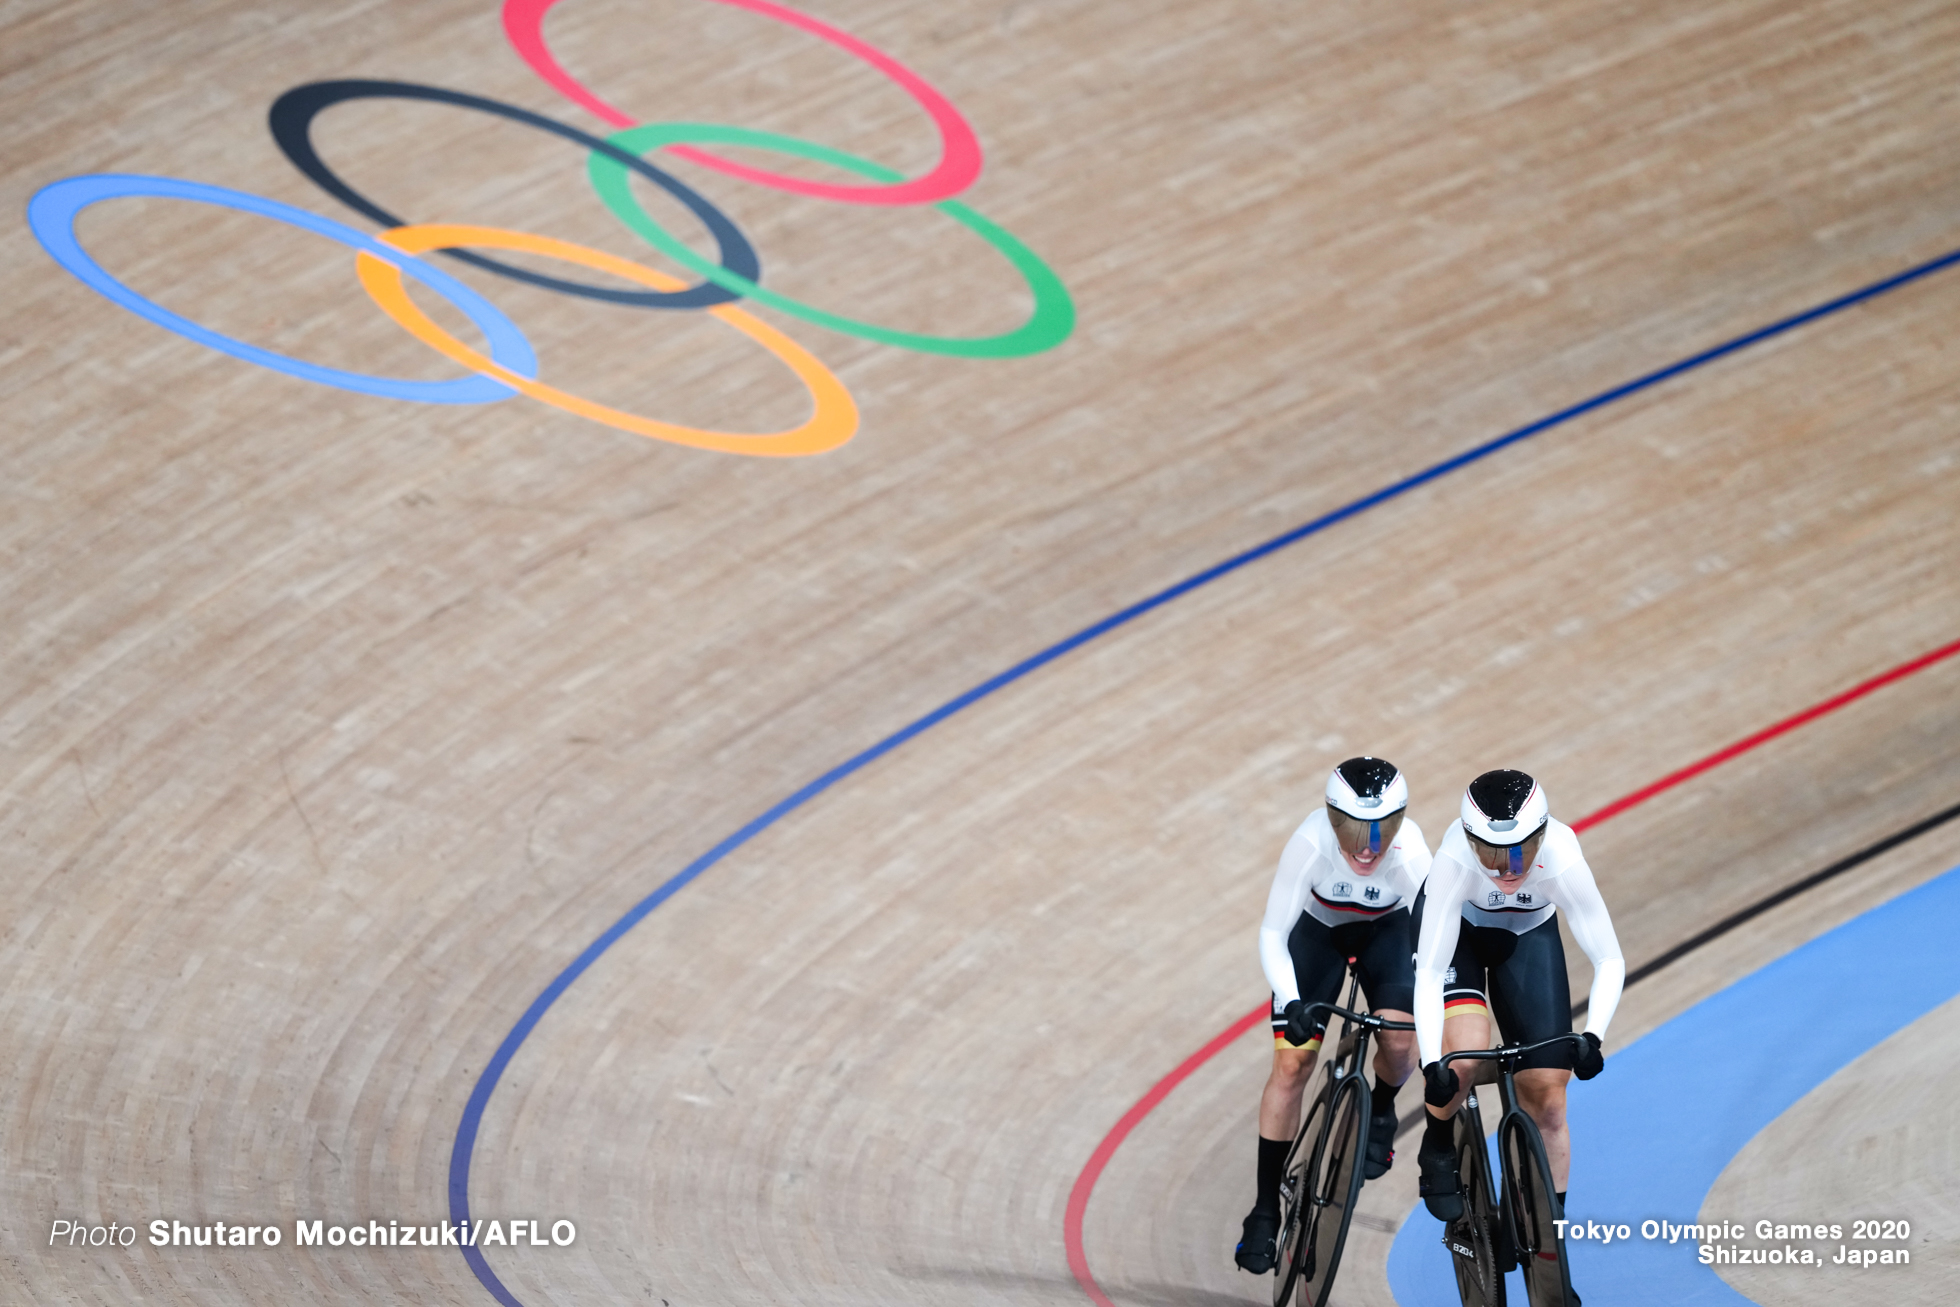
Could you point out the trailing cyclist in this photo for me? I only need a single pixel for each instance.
(1487, 943)
(1343, 890)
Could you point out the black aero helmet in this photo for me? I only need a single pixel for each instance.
(1366, 799)
(1503, 811)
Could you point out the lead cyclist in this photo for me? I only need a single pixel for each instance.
(1343, 889)
(1486, 942)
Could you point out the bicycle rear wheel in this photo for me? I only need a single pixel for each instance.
(1301, 1177)
(1334, 1197)
(1533, 1206)
(1474, 1239)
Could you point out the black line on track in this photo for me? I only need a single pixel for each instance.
(1750, 913)
(1784, 895)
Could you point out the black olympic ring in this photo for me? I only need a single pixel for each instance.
(291, 121)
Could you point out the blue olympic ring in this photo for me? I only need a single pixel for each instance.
(51, 214)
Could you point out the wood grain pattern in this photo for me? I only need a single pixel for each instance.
(1832, 1153)
(336, 726)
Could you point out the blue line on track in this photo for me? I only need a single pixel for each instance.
(1656, 1131)
(486, 1084)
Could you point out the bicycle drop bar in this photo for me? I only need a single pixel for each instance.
(1367, 1019)
(1510, 1052)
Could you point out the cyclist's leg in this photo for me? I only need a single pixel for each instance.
(1385, 958)
(1386, 961)
(1541, 1093)
(1467, 1006)
(1319, 966)
(1279, 1120)
(1534, 1002)
(1317, 969)
(1279, 1105)
(1466, 1025)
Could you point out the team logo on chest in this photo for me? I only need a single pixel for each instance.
(1496, 899)
(1524, 900)
(1343, 890)
(1373, 893)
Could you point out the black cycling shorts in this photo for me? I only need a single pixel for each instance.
(1519, 979)
(1384, 954)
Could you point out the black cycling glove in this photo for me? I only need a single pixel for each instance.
(1439, 1085)
(1591, 1062)
(1298, 1029)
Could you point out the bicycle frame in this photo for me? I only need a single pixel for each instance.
(1478, 1241)
(1515, 1123)
(1305, 1248)
(1350, 1055)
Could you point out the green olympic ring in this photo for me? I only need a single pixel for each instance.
(1047, 326)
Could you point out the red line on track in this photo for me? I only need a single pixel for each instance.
(1788, 724)
(1078, 1198)
(1085, 1183)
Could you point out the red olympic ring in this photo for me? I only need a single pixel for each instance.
(959, 148)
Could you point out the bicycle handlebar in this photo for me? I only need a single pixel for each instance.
(1510, 1052)
(1367, 1019)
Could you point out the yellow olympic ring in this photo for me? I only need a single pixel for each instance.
(834, 421)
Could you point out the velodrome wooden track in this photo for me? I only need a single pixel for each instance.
(336, 726)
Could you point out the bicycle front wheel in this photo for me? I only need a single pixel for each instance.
(1339, 1188)
(1532, 1206)
(1300, 1178)
(1475, 1238)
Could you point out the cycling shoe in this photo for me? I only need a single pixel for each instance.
(1441, 1192)
(1258, 1249)
(1381, 1146)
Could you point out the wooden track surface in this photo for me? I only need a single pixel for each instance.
(336, 726)
(1799, 1164)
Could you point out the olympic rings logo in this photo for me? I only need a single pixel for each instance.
(511, 367)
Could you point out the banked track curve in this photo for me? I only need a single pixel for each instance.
(1085, 1181)
(463, 1149)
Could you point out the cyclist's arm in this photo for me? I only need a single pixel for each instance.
(1442, 920)
(1416, 859)
(1284, 904)
(1576, 894)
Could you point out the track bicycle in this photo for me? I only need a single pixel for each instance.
(1323, 1174)
(1515, 1228)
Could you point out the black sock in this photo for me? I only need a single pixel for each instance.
(1383, 1097)
(1272, 1160)
(1440, 1135)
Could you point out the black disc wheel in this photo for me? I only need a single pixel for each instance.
(1474, 1239)
(1533, 1207)
(1301, 1176)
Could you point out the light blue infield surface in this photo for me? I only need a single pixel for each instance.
(1654, 1132)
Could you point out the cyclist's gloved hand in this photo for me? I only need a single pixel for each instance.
(1439, 1085)
(1590, 1062)
(1298, 1029)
